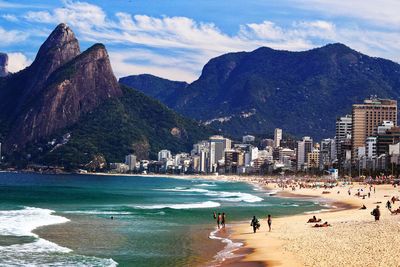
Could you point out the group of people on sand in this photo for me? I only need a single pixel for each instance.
(221, 219)
(255, 223)
(315, 220)
(389, 205)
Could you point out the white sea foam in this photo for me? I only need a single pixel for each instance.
(229, 248)
(316, 211)
(201, 205)
(219, 195)
(39, 252)
(23, 222)
(206, 185)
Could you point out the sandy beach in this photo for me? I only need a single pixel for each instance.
(354, 239)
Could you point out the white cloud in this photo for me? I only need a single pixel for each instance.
(7, 4)
(40, 16)
(178, 47)
(17, 61)
(382, 12)
(169, 67)
(10, 17)
(11, 37)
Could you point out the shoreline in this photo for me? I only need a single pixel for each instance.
(293, 242)
(357, 238)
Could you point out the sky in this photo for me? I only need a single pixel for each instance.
(174, 39)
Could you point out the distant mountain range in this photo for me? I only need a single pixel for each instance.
(67, 108)
(255, 92)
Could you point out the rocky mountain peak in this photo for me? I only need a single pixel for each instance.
(60, 86)
(62, 42)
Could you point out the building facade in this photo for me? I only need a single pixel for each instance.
(366, 119)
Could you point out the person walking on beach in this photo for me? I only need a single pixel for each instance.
(223, 218)
(219, 219)
(388, 205)
(376, 213)
(255, 223)
(269, 220)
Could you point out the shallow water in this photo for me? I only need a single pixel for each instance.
(59, 220)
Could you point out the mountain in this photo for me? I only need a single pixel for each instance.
(159, 88)
(3, 65)
(301, 92)
(67, 108)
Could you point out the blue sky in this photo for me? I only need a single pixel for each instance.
(174, 39)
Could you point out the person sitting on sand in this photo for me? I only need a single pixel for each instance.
(255, 223)
(325, 224)
(363, 207)
(313, 220)
(395, 212)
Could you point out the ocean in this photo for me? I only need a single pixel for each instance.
(65, 220)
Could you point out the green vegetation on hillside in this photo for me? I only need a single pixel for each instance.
(120, 125)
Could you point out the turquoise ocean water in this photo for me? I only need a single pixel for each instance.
(65, 220)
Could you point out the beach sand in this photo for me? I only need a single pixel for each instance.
(354, 239)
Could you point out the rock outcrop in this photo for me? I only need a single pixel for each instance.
(59, 86)
(3, 65)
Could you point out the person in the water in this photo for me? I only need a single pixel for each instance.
(223, 218)
(219, 219)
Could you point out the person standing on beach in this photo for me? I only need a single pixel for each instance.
(223, 217)
(269, 220)
(376, 213)
(388, 205)
(219, 219)
(255, 224)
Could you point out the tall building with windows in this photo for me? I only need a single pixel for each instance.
(367, 117)
(370, 147)
(164, 155)
(277, 137)
(343, 131)
(304, 147)
(130, 160)
(327, 153)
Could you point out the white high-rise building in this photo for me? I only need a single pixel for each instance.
(386, 125)
(343, 132)
(370, 147)
(303, 148)
(248, 139)
(277, 137)
(203, 160)
(130, 160)
(221, 144)
(164, 155)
